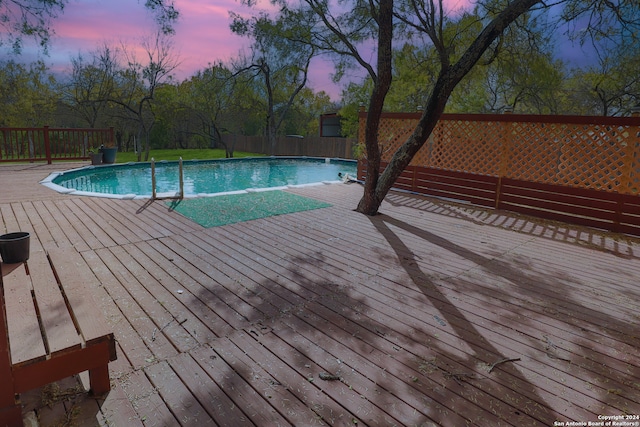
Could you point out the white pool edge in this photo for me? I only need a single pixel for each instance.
(48, 182)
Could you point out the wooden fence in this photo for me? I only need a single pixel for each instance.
(39, 144)
(582, 170)
(294, 146)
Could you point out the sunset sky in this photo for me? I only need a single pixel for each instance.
(202, 35)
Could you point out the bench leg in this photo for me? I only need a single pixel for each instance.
(99, 380)
(11, 416)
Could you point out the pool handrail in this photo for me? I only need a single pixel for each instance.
(154, 195)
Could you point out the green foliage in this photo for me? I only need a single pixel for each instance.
(278, 67)
(27, 94)
(611, 87)
(27, 18)
(354, 98)
(414, 69)
(165, 14)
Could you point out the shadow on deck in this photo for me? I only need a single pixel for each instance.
(429, 314)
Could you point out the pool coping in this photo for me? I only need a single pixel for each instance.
(48, 182)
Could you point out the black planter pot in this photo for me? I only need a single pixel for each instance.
(14, 247)
(109, 154)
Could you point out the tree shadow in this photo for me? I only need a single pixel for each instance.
(409, 339)
(625, 246)
(337, 327)
(576, 352)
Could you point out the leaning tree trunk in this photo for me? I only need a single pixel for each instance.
(376, 190)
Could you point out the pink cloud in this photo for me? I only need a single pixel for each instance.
(202, 34)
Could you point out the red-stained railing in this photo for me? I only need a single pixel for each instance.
(50, 144)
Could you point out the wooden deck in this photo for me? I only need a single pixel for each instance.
(431, 314)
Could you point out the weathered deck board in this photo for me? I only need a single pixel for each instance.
(409, 308)
(71, 236)
(380, 312)
(250, 402)
(297, 393)
(223, 410)
(21, 318)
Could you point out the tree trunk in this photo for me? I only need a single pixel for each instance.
(378, 185)
(138, 144)
(370, 201)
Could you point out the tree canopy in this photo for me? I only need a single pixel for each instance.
(455, 43)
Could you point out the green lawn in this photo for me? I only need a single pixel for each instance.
(199, 154)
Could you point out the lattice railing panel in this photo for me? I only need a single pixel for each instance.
(576, 155)
(466, 146)
(585, 152)
(532, 151)
(394, 133)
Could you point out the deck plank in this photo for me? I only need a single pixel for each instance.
(26, 344)
(22, 223)
(100, 224)
(396, 304)
(74, 279)
(147, 344)
(45, 233)
(9, 223)
(79, 226)
(342, 313)
(87, 229)
(210, 286)
(145, 398)
(218, 405)
(117, 410)
(182, 403)
(72, 237)
(252, 404)
(162, 305)
(117, 212)
(57, 323)
(116, 305)
(183, 300)
(298, 384)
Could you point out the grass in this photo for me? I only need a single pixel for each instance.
(190, 154)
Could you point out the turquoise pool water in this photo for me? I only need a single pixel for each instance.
(203, 177)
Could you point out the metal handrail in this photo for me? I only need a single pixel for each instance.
(154, 195)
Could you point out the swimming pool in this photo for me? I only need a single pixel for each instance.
(201, 178)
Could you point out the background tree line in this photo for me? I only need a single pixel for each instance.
(265, 92)
(148, 108)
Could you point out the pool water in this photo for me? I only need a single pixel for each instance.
(204, 177)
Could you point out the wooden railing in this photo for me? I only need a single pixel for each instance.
(583, 170)
(49, 144)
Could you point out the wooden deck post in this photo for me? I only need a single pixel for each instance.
(47, 144)
(99, 380)
(10, 412)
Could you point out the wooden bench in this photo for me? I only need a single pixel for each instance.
(50, 328)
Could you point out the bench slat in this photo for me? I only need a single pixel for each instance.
(56, 321)
(74, 276)
(22, 321)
